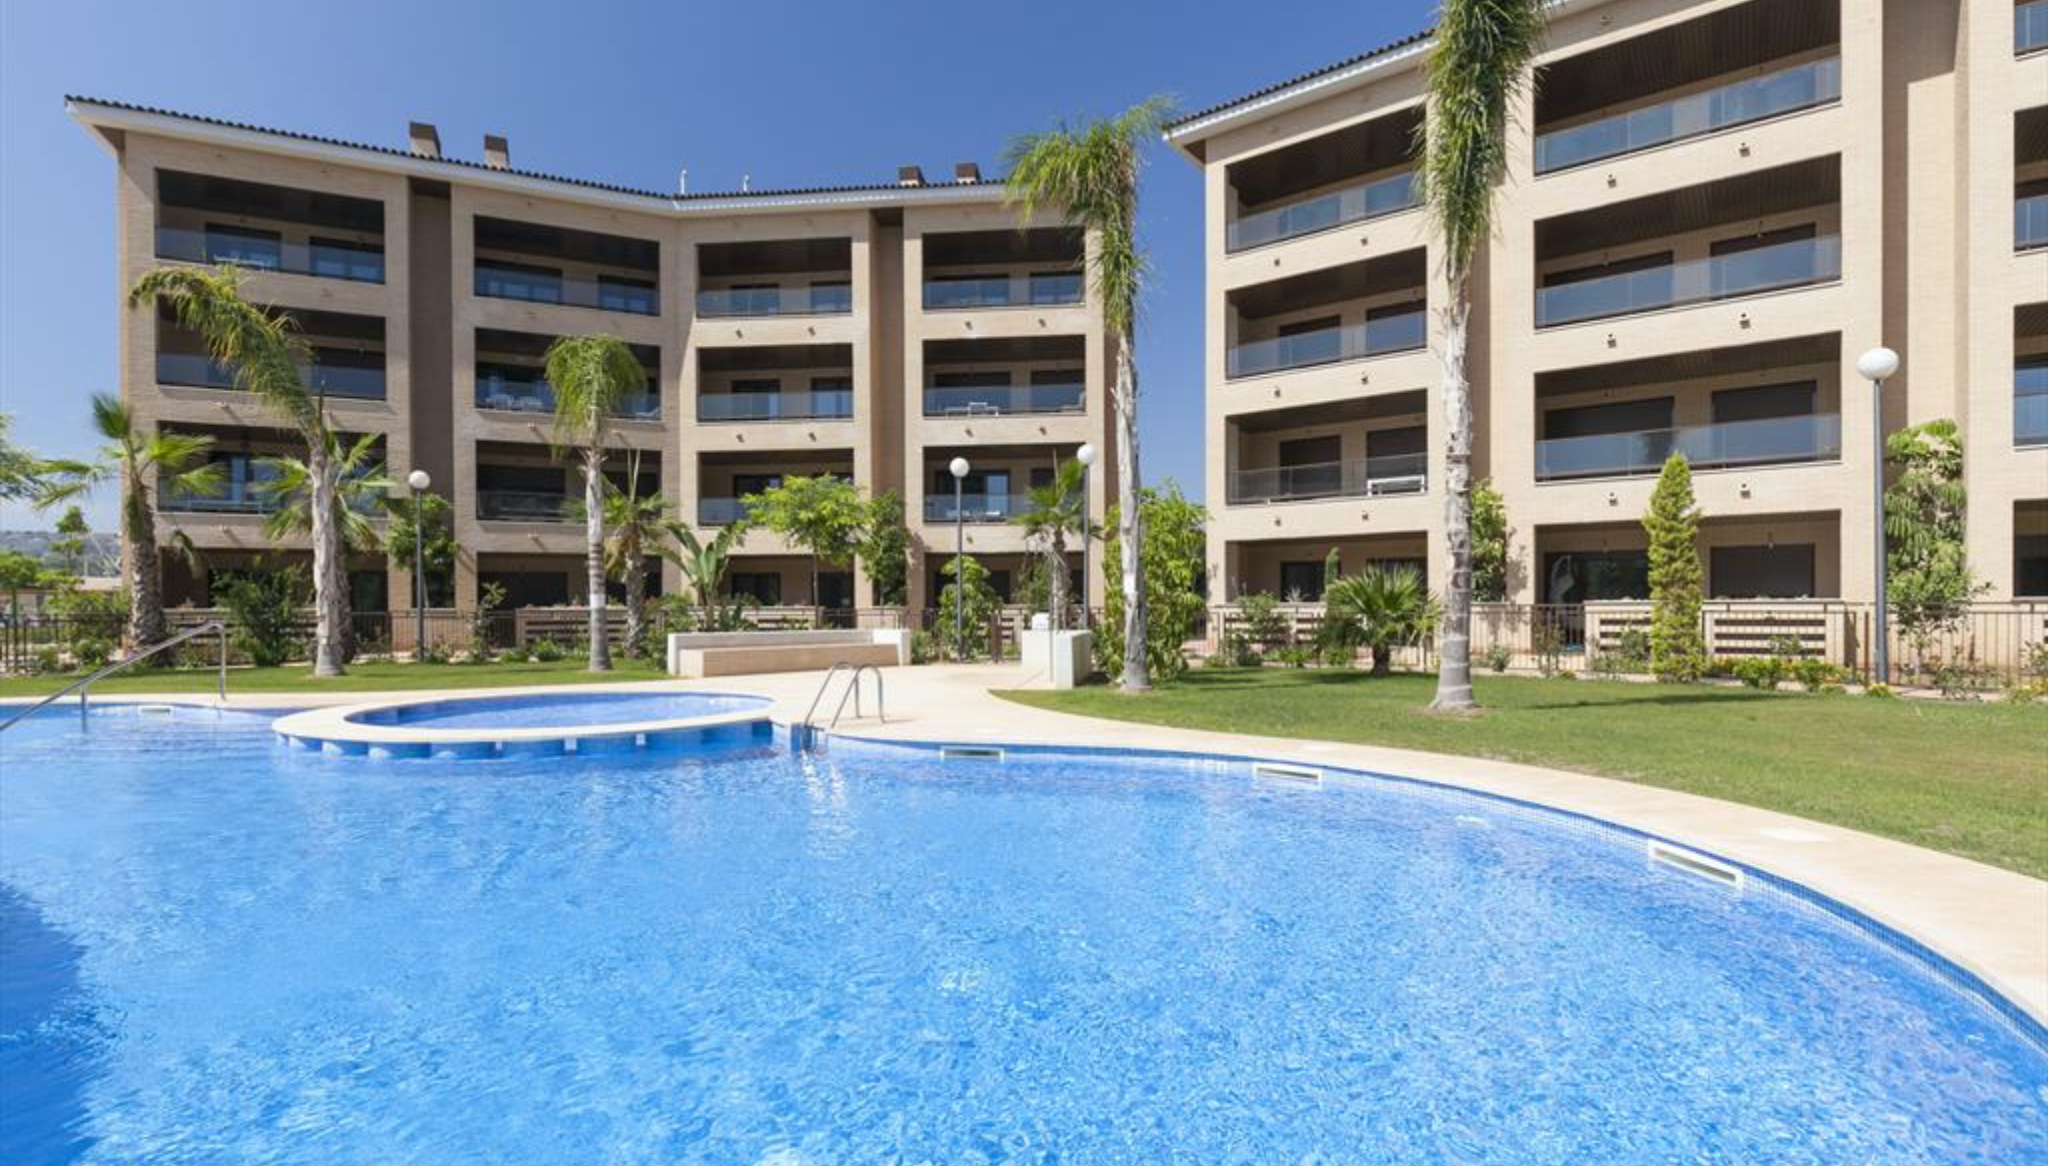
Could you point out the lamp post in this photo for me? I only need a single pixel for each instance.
(419, 481)
(1086, 456)
(1875, 366)
(959, 467)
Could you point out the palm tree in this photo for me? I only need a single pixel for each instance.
(266, 354)
(143, 460)
(1384, 606)
(703, 563)
(637, 525)
(1478, 70)
(360, 487)
(1051, 513)
(1090, 175)
(591, 376)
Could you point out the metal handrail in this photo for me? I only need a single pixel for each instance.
(82, 687)
(804, 731)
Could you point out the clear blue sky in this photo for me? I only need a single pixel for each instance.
(792, 93)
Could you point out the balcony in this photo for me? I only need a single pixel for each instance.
(510, 379)
(1762, 269)
(527, 506)
(721, 511)
(1353, 204)
(2030, 27)
(1730, 445)
(998, 400)
(1369, 477)
(817, 300)
(1774, 94)
(209, 219)
(266, 251)
(2030, 401)
(792, 405)
(948, 293)
(233, 498)
(359, 382)
(540, 264)
(975, 508)
(1402, 332)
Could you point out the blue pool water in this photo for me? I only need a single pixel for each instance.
(561, 710)
(219, 949)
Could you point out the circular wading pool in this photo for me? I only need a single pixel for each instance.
(530, 724)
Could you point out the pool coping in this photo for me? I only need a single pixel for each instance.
(333, 728)
(1988, 921)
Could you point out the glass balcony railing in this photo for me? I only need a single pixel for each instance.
(998, 400)
(232, 498)
(1776, 440)
(975, 507)
(1785, 91)
(361, 262)
(943, 294)
(1353, 204)
(510, 395)
(830, 300)
(527, 506)
(2030, 419)
(1359, 478)
(2030, 221)
(608, 293)
(721, 511)
(192, 370)
(1400, 333)
(1784, 265)
(812, 405)
(2030, 27)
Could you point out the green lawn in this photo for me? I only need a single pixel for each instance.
(1970, 779)
(367, 677)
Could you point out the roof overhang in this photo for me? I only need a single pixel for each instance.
(110, 121)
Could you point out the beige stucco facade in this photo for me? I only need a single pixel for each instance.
(783, 332)
(1712, 208)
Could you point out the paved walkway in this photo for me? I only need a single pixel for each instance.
(1992, 921)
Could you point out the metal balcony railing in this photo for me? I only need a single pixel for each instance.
(829, 300)
(633, 294)
(526, 506)
(975, 507)
(795, 405)
(333, 380)
(998, 400)
(944, 293)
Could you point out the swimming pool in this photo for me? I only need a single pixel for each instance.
(543, 710)
(223, 949)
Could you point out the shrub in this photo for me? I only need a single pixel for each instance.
(1761, 672)
(91, 652)
(432, 653)
(1295, 656)
(969, 615)
(1234, 652)
(1336, 652)
(1816, 675)
(263, 608)
(1678, 650)
(924, 647)
(1881, 691)
(544, 651)
(1388, 606)
(1173, 550)
(2027, 691)
(1498, 657)
(1265, 625)
(47, 659)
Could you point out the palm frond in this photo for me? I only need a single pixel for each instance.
(1476, 74)
(591, 376)
(264, 350)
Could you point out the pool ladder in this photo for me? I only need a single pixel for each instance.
(804, 734)
(83, 687)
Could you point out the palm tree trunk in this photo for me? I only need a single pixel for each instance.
(330, 581)
(593, 529)
(1454, 645)
(1057, 567)
(145, 569)
(636, 599)
(1130, 520)
(1382, 659)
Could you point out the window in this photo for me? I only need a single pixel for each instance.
(1311, 451)
(1585, 576)
(244, 246)
(620, 293)
(1302, 582)
(1407, 441)
(1766, 572)
(1597, 420)
(518, 281)
(970, 380)
(763, 587)
(346, 259)
(1304, 327)
(1632, 264)
(1762, 260)
(831, 295)
(528, 588)
(1765, 402)
(1762, 239)
(1056, 287)
(745, 484)
(757, 384)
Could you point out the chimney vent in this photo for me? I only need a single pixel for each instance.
(910, 176)
(426, 140)
(497, 152)
(966, 172)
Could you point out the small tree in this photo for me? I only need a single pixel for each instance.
(1387, 607)
(824, 515)
(263, 612)
(968, 604)
(19, 572)
(1491, 536)
(1172, 551)
(1051, 513)
(1928, 577)
(434, 521)
(1678, 650)
(359, 488)
(702, 565)
(885, 550)
(72, 529)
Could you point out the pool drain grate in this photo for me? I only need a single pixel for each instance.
(1697, 865)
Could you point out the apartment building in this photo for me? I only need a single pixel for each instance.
(1713, 207)
(872, 332)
